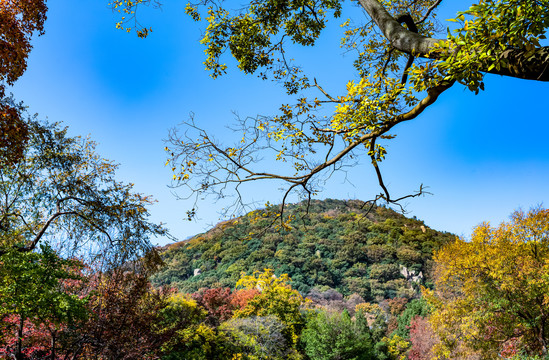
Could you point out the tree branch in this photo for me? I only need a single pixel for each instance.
(36, 240)
(401, 38)
(522, 64)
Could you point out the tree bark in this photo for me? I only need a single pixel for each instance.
(52, 356)
(18, 348)
(522, 64)
(401, 38)
(541, 339)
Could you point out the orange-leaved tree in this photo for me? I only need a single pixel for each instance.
(19, 20)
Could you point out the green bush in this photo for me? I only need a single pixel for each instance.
(333, 335)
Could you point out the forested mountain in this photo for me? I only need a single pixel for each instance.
(339, 244)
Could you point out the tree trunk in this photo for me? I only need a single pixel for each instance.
(53, 333)
(542, 340)
(18, 348)
(401, 38)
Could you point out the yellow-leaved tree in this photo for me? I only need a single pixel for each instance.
(492, 293)
(276, 297)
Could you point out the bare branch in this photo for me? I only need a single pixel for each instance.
(429, 11)
(324, 92)
(42, 231)
(233, 166)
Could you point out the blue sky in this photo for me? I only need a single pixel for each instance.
(482, 156)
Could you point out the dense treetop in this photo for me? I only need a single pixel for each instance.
(492, 292)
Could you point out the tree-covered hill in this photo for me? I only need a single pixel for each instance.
(339, 244)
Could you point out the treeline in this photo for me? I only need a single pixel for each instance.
(488, 300)
(353, 265)
(120, 315)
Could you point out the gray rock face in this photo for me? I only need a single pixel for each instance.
(411, 275)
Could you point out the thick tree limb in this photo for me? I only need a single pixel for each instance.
(401, 38)
(529, 65)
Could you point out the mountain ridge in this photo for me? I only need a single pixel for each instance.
(338, 245)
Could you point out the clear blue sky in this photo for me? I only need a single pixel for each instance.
(482, 156)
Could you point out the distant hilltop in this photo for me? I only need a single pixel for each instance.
(337, 244)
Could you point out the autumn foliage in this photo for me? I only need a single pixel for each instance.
(14, 134)
(19, 20)
(422, 339)
(492, 293)
(489, 301)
